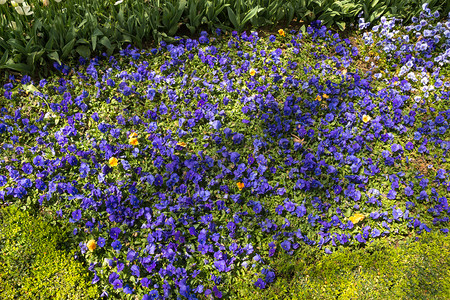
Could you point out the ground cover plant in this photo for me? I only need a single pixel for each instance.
(33, 265)
(404, 271)
(184, 170)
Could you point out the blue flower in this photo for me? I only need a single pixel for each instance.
(116, 245)
(221, 265)
(101, 242)
(76, 215)
(397, 214)
(423, 195)
(329, 117)
(286, 245)
(118, 284)
(238, 138)
(128, 290)
(27, 168)
(392, 194)
(409, 191)
(3, 180)
(234, 157)
(409, 146)
(360, 238)
(260, 284)
(375, 233)
(38, 161)
(114, 233)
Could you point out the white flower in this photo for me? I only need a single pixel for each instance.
(14, 3)
(58, 1)
(24, 10)
(118, 2)
(19, 1)
(12, 25)
(49, 115)
(2, 2)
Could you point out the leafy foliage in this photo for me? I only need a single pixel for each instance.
(415, 270)
(72, 28)
(33, 266)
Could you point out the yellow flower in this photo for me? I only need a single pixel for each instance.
(132, 135)
(181, 144)
(240, 186)
(325, 96)
(318, 98)
(133, 141)
(357, 218)
(113, 161)
(281, 32)
(366, 118)
(252, 72)
(91, 245)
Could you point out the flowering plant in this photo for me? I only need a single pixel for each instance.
(180, 172)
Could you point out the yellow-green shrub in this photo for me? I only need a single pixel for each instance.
(418, 270)
(32, 266)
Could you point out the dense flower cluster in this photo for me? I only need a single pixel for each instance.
(183, 167)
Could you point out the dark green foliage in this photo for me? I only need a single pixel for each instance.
(83, 28)
(32, 266)
(416, 270)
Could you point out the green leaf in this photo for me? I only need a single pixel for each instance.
(49, 44)
(17, 45)
(31, 88)
(94, 42)
(67, 48)
(341, 25)
(250, 15)
(54, 56)
(4, 57)
(232, 17)
(70, 34)
(84, 51)
(34, 57)
(105, 42)
(24, 68)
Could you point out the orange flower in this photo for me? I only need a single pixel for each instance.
(281, 32)
(133, 141)
(132, 135)
(366, 118)
(240, 186)
(113, 161)
(181, 144)
(252, 72)
(91, 245)
(357, 218)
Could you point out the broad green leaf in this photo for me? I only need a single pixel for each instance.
(251, 14)
(54, 56)
(232, 17)
(105, 42)
(84, 51)
(67, 49)
(20, 67)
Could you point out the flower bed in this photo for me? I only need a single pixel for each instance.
(186, 168)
